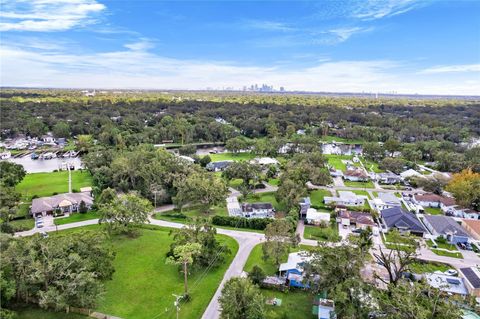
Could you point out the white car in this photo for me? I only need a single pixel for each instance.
(451, 272)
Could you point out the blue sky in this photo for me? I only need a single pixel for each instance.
(404, 46)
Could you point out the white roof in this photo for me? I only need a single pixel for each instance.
(447, 283)
(347, 195)
(409, 173)
(265, 161)
(312, 214)
(294, 259)
(187, 158)
(389, 198)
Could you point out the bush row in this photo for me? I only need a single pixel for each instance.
(241, 222)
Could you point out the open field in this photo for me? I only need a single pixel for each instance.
(295, 304)
(46, 184)
(37, 313)
(143, 284)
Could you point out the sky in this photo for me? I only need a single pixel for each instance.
(384, 46)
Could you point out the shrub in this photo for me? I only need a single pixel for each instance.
(257, 275)
(241, 222)
(34, 196)
(82, 208)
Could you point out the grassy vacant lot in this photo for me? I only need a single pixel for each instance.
(316, 197)
(371, 166)
(447, 253)
(37, 313)
(76, 217)
(322, 234)
(45, 184)
(368, 184)
(295, 305)
(433, 211)
(231, 157)
(266, 198)
(421, 267)
(336, 161)
(143, 284)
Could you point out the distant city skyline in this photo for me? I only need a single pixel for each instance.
(402, 46)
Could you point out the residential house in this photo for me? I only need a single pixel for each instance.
(335, 172)
(358, 219)
(346, 198)
(356, 175)
(409, 173)
(446, 227)
(387, 200)
(293, 269)
(304, 206)
(388, 178)
(315, 217)
(218, 166)
(264, 161)
(446, 283)
(258, 210)
(472, 280)
(473, 227)
(434, 200)
(66, 203)
(404, 222)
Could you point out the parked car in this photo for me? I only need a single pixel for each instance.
(39, 224)
(451, 272)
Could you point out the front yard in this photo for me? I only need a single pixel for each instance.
(441, 244)
(76, 217)
(433, 211)
(329, 234)
(421, 267)
(368, 184)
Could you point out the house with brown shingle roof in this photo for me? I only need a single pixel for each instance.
(473, 227)
(66, 203)
(356, 175)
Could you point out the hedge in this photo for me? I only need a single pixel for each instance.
(241, 222)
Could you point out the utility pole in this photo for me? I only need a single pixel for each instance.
(176, 303)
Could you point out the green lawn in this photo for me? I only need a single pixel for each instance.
(265, 198)
(274, 181)
(447, 254)
(364, 193)
(143, 284)
(336, 161)
(401, 239)
(232, 157)
(45, 184)
(76, 217)
(420, 267)
(235, 183)
(37, 313)
(442, 245)
(433, 211)
(322, 234)
(368, 184)
(22, 224)
(316, 197)
(295, 305)
(371, 166)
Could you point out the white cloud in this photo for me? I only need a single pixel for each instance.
(343, 34)
(377, 9)
(269, 25)
(47, 15)
(452, 69)
(132, 68)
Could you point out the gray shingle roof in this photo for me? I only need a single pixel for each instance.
(445, 225)
(397, 217)
(44, 204)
